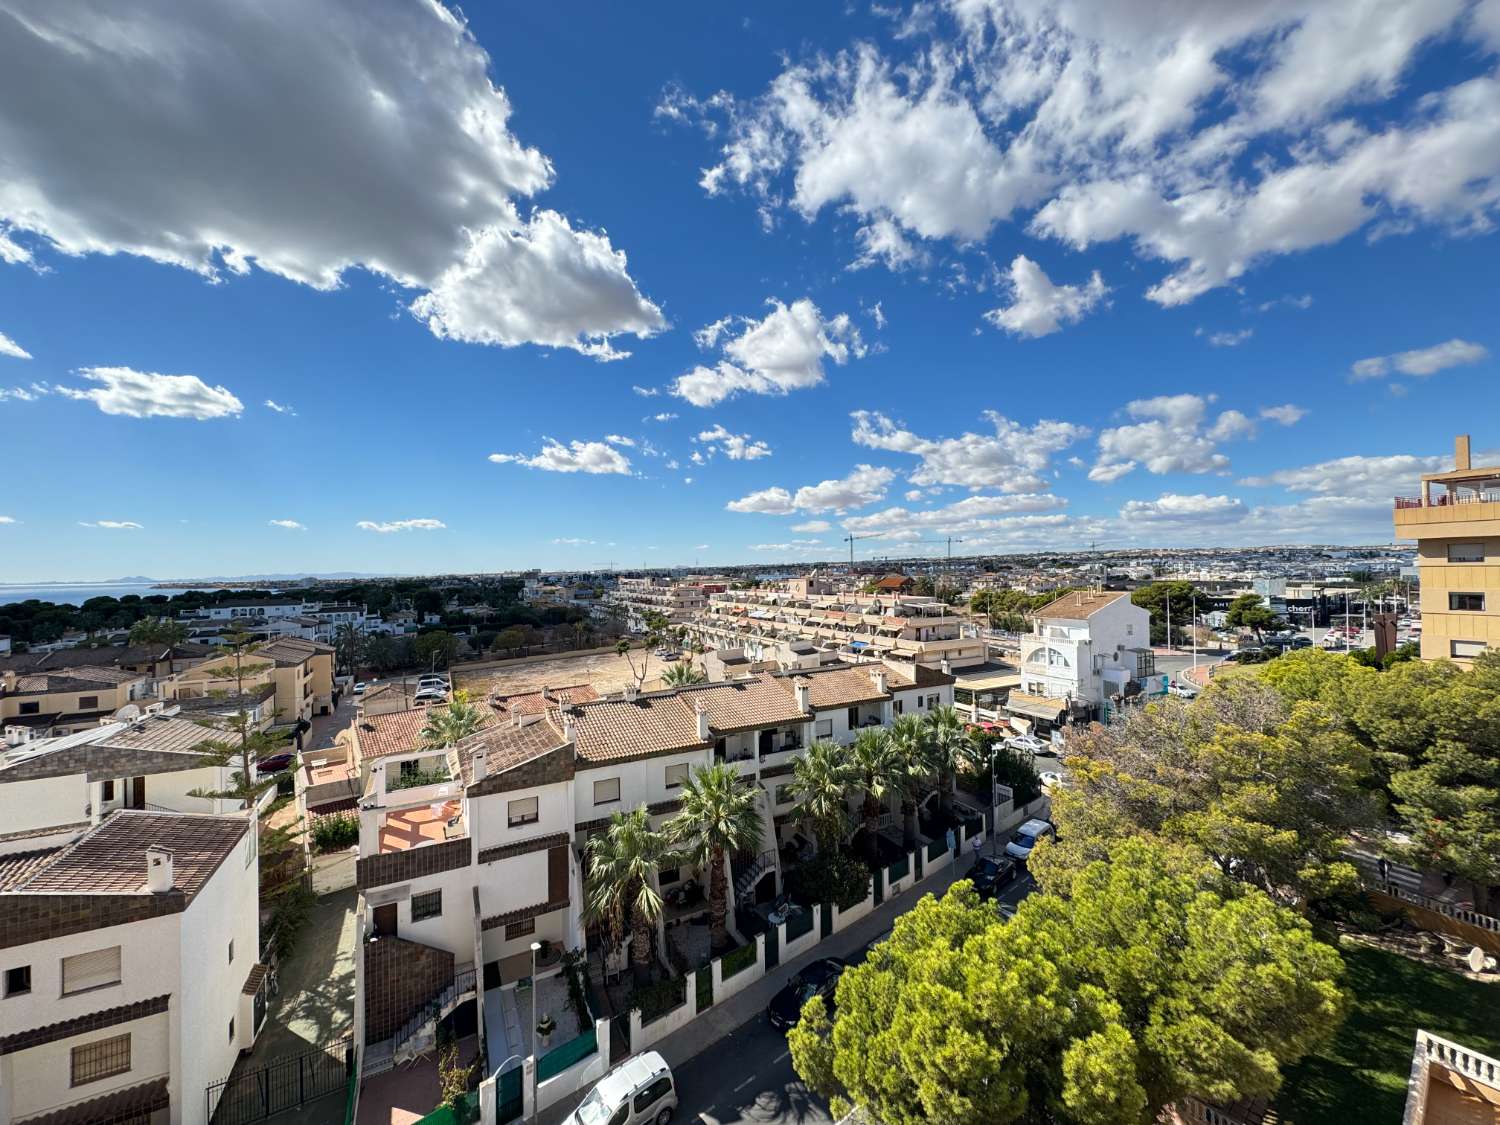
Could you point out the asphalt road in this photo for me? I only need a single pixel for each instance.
(748, 1077)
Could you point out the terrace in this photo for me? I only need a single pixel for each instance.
(424, 824)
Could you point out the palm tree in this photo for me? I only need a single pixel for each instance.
(950, 746)
(718, 816)
(873, 765)
(911, 767)
(158, 632)
(622, 863)
(820, 783)
(682, 675)
(450, 725)
(347, 641)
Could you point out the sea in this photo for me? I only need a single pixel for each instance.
(76, 593)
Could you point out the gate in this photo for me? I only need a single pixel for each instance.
(619, 1038)
(773, 948)
(508, 1097)
(878, 878)
(286, 1083)
(825, 917)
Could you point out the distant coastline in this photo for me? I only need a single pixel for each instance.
(76, 593)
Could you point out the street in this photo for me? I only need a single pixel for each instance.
(748, 1076)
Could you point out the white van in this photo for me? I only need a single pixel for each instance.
(639, 1090)
(1026, 837)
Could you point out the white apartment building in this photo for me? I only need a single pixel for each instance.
(1087, 651)
(469, 855)
(129, 980)
(678, 601)
(896, 627)
(53, 788)
(263, 608)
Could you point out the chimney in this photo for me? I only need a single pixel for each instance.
(802, 693)
(159, 869)
(877, 677)
(1461, 452)
(946, 666)
(702, 713)
(570, 728)
(481, 765)
(631, 692)
(8, 680)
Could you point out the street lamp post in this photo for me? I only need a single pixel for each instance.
(536, 947)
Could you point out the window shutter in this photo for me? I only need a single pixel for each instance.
(557, 873)
(90, 970)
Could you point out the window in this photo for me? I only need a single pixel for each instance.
(1465, 650)
(653, 1094)
(231, 951)
(900, 707)
(88, 703)
(606, 791)
(932, 702)
(1465, 552)
(621, 1115)
(784, 794)
(18, 980)
(107, 790)
(91, 970)
(520, 929)
(102, 1059)
(410, 769)
(1469, 602)
(823, 728)
(429, 904)
(853, 717)
(231, 1029)
(32, 708)
(676, 775)
(523, 810)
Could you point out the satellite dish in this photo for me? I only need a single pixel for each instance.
(127, 713)
(1479, 961)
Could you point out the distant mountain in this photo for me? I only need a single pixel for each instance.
(341, 574)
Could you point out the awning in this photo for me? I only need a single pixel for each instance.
(1037, 706)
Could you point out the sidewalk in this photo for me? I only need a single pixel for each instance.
(726, 1017)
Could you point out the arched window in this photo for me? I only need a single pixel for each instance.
(1050, 657)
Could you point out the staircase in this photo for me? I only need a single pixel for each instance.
(419, 1034)
(751, 874)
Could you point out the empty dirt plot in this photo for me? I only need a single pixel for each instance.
(607, 672)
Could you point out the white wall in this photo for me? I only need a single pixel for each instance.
(37, 1080)
(489, 822)
(227, 908)
(641, 783)
(43, 802)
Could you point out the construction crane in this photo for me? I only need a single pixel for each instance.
(850, 539)
(949, 540)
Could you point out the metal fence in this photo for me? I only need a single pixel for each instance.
(286, 1083)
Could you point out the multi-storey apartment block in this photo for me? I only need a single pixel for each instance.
(677, 601)
(895, 627)
(1456, 523)
(60, 701)
(469, 855)
(299, 671)
(129, 974)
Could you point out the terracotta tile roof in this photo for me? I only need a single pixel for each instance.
(112, 858)
(744, 704)
(288, 651)
(539, 702)
(133, 1103)
(616, 730)
(1079, 604)
(80, 678)
(507, 746)
(17, 867)
(839, 687)
(917, 675)
(399, 732)
(173, 735)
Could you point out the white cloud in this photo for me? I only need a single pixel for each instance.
(882, 243)
(113, 525)
(645, 392)
(568, 542)
(865, 485)
(289, 525)
(812, 526)
(393, 152)
(795, 547)
(1038, 307)
(401, 525)
(664, 416)
(877, 314)
(1227, 339)
(1174, 506)
(1420, 362)
(781, 353)
(25, 394)
(11, 348)
(1171, 438)
(701, 547)
(279, 407)
(1366, 480)
(1287, 414)
(145, 394)
(1210, 136)
(973, 513)
(617, 439)
(575, 457)
(1012, 459)
(737, 447)
(8, 519)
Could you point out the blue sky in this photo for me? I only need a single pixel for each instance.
(1034, 275)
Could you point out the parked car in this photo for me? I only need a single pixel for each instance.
(433, 681)
(989, 875)
(818, 979)
(431, 695)
(275, 763)
(639, 1090)
(1028, 743)
(1007, 911)
(1182, 691)
(1026, 837)
(1051, 780)
(360, 688)
(1301, 642)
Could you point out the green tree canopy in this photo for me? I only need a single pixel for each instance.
(719, 816)
(1249, 611)
(1154, 597)
(1134, 992)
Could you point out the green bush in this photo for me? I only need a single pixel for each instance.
(737, 960)
(331, 833)
(832, 876)
(656, 1000)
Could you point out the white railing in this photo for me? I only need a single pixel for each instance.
(1460, 1059)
